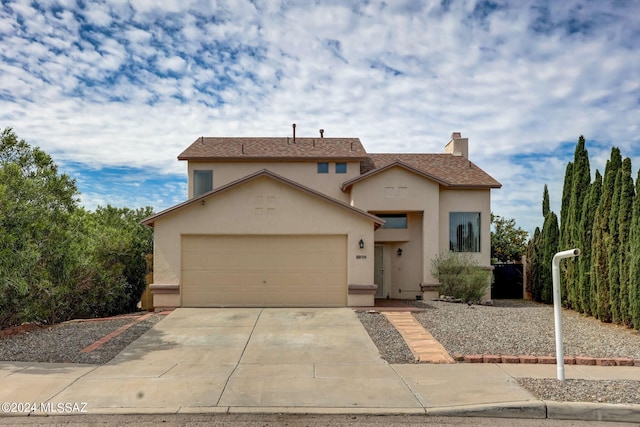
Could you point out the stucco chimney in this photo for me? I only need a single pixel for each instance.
(458, 146)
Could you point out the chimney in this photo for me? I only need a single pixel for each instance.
(321, 133)
(294, 132)
(458, 146)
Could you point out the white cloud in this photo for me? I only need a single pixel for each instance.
(138, 81)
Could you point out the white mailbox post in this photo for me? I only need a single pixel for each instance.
(557, 308)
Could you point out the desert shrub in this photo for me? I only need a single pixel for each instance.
(460, 276)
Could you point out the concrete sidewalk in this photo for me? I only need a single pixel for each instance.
(286, 360)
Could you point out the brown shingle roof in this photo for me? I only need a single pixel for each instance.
(247, 149)
(446, 169)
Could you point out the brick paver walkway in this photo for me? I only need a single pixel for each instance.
(424, 347)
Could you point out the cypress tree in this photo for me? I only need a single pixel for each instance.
(627, 194)
(573, 233)
(634, 267)
(565, 232)
(586, 291)
(565, 235)
(580, 191)
(550, 240)
(599, 256)
(533, 255)
(613, 254)
(545, 202)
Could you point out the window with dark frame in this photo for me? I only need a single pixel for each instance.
(323, 167)
(341, 168)
(202, 182)
(393, 220)
(464, 231)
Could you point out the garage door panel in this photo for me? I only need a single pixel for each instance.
(264, 271)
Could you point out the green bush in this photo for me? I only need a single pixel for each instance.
(460, 276)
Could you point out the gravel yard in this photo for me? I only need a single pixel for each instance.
(62, 343)
(518, 328)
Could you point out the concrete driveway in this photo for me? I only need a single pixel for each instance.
(256, 360)
(250, 358)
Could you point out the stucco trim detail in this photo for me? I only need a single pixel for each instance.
(161, 288)
(362, 289)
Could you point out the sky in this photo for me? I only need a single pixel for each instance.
(115, 90)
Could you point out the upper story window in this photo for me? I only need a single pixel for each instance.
(394, 220)
(323, 167)
(341, 168)
(464, 231)
(202, 182)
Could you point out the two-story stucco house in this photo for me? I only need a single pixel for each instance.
(315, 222)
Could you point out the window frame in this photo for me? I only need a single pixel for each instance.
(342, 164)
(390, 224)
(323, 167)
(196, 181)
(471, 240)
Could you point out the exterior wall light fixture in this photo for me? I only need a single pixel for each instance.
(399, 252)
(361, 244)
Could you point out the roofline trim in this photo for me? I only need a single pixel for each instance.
(251, 158)
(398, 163)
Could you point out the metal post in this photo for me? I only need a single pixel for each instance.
(557, 308)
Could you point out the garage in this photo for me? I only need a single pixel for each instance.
(264, 270)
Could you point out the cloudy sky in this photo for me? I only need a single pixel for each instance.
(115, 90)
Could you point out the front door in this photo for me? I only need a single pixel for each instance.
(378, 263)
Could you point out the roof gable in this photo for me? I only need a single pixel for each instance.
(262, 173)
(445, 169)
(284, 149)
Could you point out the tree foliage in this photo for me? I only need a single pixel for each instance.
(508, 242)
(586, 287)
(634, 264)
(601, 236)
(544, 246)
(58, 261)
(602, 218)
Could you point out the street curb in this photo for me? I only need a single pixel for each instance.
(531, 409)
(586, 411)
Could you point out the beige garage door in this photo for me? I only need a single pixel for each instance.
(264, 271)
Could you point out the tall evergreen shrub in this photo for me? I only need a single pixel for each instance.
(586, 287)
(634, 265)
(601, 235)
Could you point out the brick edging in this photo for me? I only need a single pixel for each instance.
(14, 330)
(548, 360)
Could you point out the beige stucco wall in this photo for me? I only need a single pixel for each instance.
(402, 273)
(305, 173)
(469, 201)
(399, 190)
(262, 206)
(428, 206)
